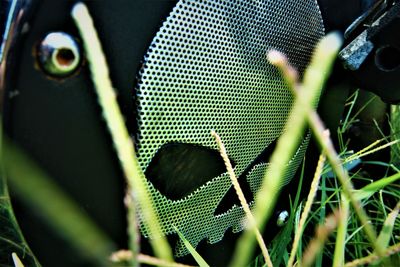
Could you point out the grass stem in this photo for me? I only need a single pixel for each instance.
(326, 144)
(152, 261)
(347, 187)
(243, 202)
(137, 186)
(288, 142)
(307, 208)
(340, 244)
(317, 243)
(374, 257)
(40, 192)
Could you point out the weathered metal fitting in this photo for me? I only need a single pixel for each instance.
(59, 54)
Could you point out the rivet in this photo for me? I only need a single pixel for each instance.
(59, 54)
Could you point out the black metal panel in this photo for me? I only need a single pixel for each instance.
(58, 121)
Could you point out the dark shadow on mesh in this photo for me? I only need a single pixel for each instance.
(231, 197)
(178, 169)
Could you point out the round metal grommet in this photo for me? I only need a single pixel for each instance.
(59, 54)
(282, 218)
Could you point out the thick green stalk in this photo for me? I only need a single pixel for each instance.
(39, 191)
(326, 144)
(338, 257)
(287, 144)
(137, 186)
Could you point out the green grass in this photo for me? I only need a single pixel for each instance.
(378, 198)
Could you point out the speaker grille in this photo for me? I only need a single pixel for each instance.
(206, 69)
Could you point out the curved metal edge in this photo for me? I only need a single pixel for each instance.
(13, 16)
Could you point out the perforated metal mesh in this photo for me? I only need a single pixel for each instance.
(206, 70)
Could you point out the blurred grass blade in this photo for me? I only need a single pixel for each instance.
(11, 237)
(266, 197)
(38, 191)
(393, 250)
(316, 245)
(16, 260)
(322, 213)
(387, 229)
(370, 189)
(340, 244)
(152, 261)
(138, 193)
(197, 257)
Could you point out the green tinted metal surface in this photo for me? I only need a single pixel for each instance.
(206, 69)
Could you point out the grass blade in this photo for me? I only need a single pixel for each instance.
(370, 189)
(197, 257)
(265, 199)
(137, 186)
(16, 260)
(340, 245)
(387, 229)
(322, 214)
(307, 208)
(317, 243)
(281, 241)
(148, 260)
(37, 190)
(395, 249)
(243, 202)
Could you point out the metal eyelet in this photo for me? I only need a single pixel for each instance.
(59, 54)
